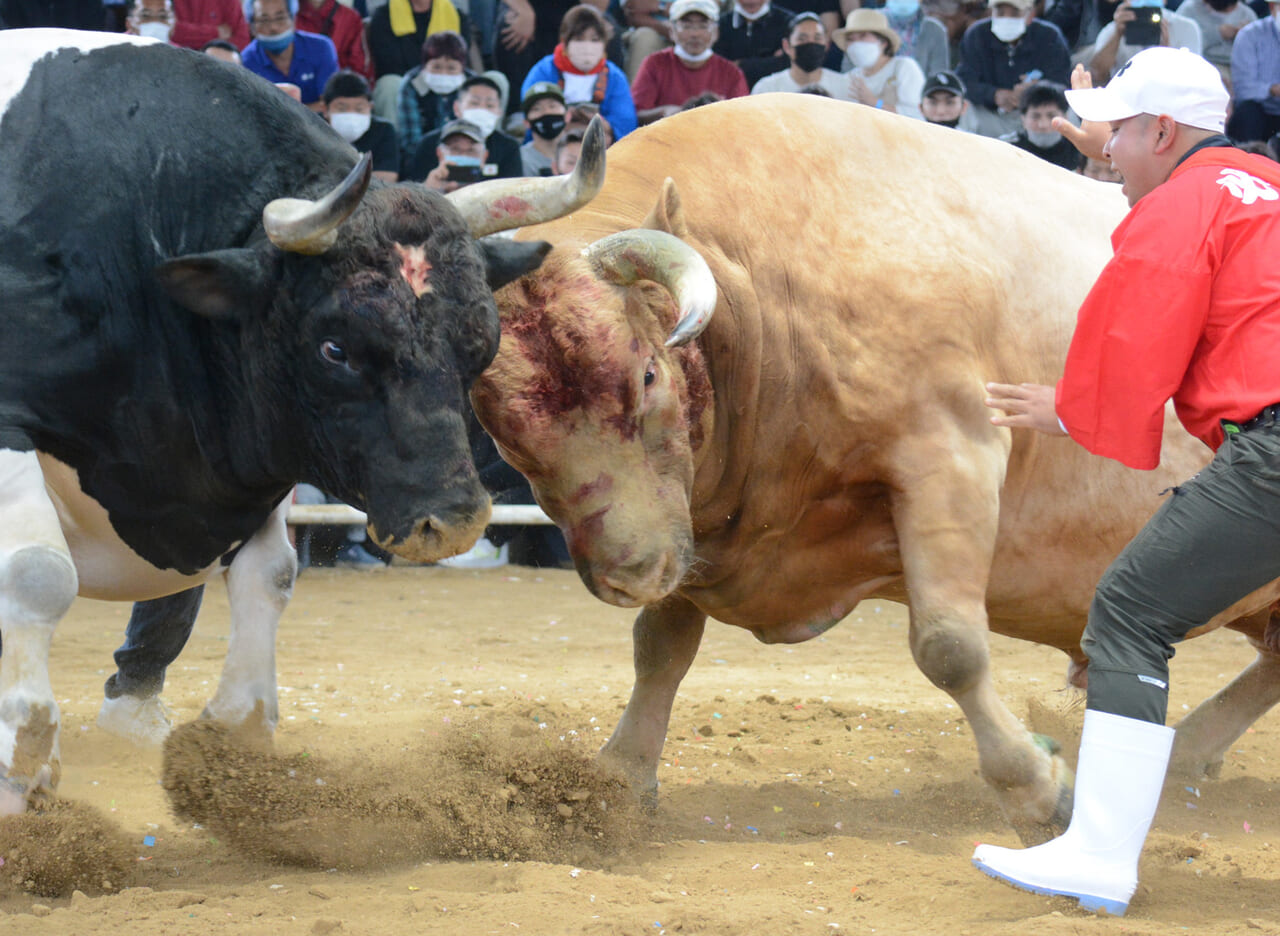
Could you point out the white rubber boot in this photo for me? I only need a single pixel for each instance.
(1118, 781)
(143, 722)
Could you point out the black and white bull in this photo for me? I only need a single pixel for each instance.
(203, 301)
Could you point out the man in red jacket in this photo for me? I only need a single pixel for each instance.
(199, 21)
(343, 26)
(1188, 308)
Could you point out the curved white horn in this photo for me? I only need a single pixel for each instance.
(310, 227)
(503, 204)
(640, 253)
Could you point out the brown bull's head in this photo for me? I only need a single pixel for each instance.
(599, 398)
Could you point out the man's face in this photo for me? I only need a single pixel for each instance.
(150, 11)
(694, 33)
(459, 144)
(271, 18)
(350, 105)
(1039, 119)
(1131, 149)
(479, 97)
(568, 158)
(751, 7)
(807, 31)
(443, 65)
(942, 106)
(1100, 170)
(543, 106)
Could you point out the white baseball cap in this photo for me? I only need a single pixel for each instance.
(1174, 82)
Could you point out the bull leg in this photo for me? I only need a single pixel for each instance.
(158, 630)
(38, 582)
(259, 584)
(945, 513)
(665, 639)
(1204, 736)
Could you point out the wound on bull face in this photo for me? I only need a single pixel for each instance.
(415, 268)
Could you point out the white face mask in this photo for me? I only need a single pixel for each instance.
(441, 84)
(486, 120)
(693, 59)
(154, 31)
(1008, 28)
(350, 127)
(1046, 139)
(584, 53)
(865, 52)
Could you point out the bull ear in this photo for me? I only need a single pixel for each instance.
(222, 284)
(667, 215)
(507, 260)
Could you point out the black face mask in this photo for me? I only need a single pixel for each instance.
(1220, 5)
(548, 126)
(809, 55)
(953, 123)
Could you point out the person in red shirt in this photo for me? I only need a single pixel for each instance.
(197, 22)
(1187, 309)
(672, 76)
(343, 26)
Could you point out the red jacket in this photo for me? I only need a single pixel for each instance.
(196, 22)
(1188, 308)
(663, 80)
(346, 30)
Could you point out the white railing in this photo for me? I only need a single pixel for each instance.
(342, 515)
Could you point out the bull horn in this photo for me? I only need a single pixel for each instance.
(637, 254)
(310, 227)
(503, 204)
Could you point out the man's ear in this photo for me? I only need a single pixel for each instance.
(1166, 133)
(786, 47)
(222, 284)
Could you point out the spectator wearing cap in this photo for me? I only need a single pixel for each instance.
(880, 77)
(342, 25)
(669, 78)
(544, 117)
(424, 101)
(1188, 309)
(1112, 49)
(924, 38)
(826, 10)
(943, 102)
(480, 105)
(579, 66)
(197, 22)
(348, 106)
(751, 36)
(460, 157)
(1002, 55)
(1041, 103)
(806, 49)
(1255, 78)
(282, 55)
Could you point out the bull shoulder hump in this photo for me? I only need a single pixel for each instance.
(21, 50)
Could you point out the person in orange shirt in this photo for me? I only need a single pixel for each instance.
(1187, 309)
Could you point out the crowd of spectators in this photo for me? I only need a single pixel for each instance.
(422, 79)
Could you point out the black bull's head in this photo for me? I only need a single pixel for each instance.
(352, 331)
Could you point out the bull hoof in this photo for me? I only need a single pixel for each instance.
(254, 730)
(142, 722)
(1032, 832)
(29, 768)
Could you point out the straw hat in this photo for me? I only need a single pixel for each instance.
(872, 21)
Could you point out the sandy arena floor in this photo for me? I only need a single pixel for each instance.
(819, 788)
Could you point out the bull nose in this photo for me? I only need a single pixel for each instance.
(639, 583)
(446, 526)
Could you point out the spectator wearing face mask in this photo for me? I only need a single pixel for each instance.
(806, 49)
(880, 77)
(196, 22)
(1041, 103)
(479, 105)
(428, 91)
(1219, 21)
(924, 38)
(943, 102)
(1002, 56)
(578, 65)
(545, 119)
(751, 36)
(669, 78)
(348, 106)
(282, 55)
(150, 18)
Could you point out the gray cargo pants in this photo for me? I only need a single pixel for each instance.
(1215, 540)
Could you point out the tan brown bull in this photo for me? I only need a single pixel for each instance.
(824, 439)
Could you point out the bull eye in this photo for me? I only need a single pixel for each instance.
(334, 353)
(650, 375)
